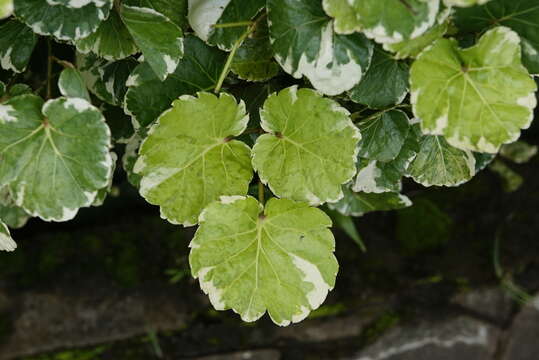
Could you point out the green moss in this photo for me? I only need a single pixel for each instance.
(86, 354)
(377, 328)
(327, 310)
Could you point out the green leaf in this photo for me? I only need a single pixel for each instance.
(159, 39)
(512, 181)
(12, 215)
(478, 98)
(130, 157)
(378, 177)
(205, 14)
(521, 16)
(385, 21)
(441, 164)
(17, 42)
(254, 59)
(189, 160)
(106, 80)
(19, 89)
(112, 41)
(310, 149)
(411, 48)
(6, 8)
(104, 192)
(2, 89)
(252, 259)
(6, 242)
(305, 45)
(482, 160)
(148, 97)
(64, 19)
(465, 3)
(519, 152)
(423, 226)
(55, 157)
(175, 10)
(359, 203)
(71, 84)
(346, 224)
(384, 84)
(383, 135)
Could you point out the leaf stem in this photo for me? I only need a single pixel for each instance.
(235, 48)
(261, 192)
(49, 69)
(355, 115)
(228, 63)
(233, 24)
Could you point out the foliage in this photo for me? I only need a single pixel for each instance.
(302, 103)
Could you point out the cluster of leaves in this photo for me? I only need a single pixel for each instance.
(220, 90)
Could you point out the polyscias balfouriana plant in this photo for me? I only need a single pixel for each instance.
(322, 103)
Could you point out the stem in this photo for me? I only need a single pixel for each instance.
(261, 192)
(235, 48)
(233, 24)
(355, 115)
(228, 63)
(49, 68)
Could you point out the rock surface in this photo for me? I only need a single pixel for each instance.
(459, 338)
(522, 338)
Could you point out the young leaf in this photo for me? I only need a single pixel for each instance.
(254, 59)
(159, 39)
(358, 203)
(189, 158)
(19, 89)
(383, 135)
(310, 149)
(441, 164)
(63, 19)
(6, 8)
(305, 45)
(17, 42)
(252, 259)
(384, 84)
(12, 215)
(55, 157)
(6, 242)
(112, 41)
(519, 152)
(478, 98)
(521, 16)
(148, 97)
(71, 84)
(106, 80)
(385, 21)
(204, 15)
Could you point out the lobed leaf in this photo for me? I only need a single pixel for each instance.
(189, 158)
(310, 148)
(55, 156)
(253, 258)
(478, 98)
